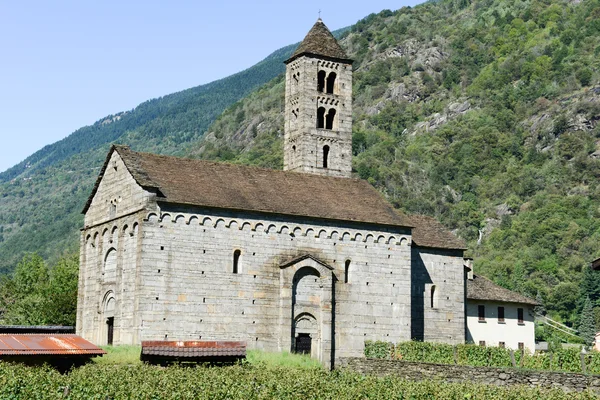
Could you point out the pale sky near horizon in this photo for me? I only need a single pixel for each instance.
(66, 64)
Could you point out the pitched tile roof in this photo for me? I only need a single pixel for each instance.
(221, 185)
(194, 349)
(320, 42)
(428, 232)
(481, 288)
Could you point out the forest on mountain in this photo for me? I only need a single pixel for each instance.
(482, 113)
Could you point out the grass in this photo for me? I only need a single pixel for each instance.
(119, 355)
(284, 359)
(130, 355)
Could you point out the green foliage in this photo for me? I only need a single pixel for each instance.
(567, 360)
(242, 382)
(587, 324)
(38, 295)
(515, 167)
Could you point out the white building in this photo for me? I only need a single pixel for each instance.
(498, 317)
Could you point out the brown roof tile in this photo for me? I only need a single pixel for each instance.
(230, 186)
(481, 288)
(428, 232)
(320, 42)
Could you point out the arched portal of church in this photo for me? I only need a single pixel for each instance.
(108, 320)
(307, 298)
(306, 331)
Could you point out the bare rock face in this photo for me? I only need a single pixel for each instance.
(438, 119)
(577, 112)
(418, 54)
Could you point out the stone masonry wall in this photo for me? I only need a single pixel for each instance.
(188, 289)
(458, 373)
(440, 271)
(303, 141)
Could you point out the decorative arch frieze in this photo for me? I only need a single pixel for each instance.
(275, 228)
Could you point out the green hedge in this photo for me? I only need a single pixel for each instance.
(567, 360)
(240, 382)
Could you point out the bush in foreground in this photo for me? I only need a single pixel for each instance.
(246, 381)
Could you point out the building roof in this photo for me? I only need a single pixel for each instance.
(36, 329)
(194, 349)
(481, 288)
(428, 232)
(44, 344)
(595, 265)
(229, 186)
(320, 42)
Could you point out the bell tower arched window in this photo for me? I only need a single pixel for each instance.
(325, 156)
(321, 117)
(321, 80)
(330, 118)
(331, 82)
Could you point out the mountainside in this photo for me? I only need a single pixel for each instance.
(482, 113)
(41, 198)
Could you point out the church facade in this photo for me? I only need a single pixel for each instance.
(307, 259)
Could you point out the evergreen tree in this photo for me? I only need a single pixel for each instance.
(587, 325)
(590, 286)
(540, 308)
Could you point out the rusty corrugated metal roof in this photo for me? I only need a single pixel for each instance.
(44, 344)
(194, 348)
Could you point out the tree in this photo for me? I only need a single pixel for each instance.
(587, 325)
(38, 295)
(540, 308)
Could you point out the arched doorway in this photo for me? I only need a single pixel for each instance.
(307, 301)
(305, 331)
(108, 320)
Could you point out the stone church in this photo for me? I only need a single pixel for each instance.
(307, 259)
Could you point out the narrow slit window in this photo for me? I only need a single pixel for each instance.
(432, 297)
(236, 261)
(347, 272)
(325, 156)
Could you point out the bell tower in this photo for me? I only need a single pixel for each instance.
(318, 106)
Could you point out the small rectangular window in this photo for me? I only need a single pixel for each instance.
(520, 316)
(500, 314)
(502, 345)
(482, 343)
(481, 312)
(521, 346)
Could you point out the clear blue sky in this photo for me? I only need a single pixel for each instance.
(66, 64)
